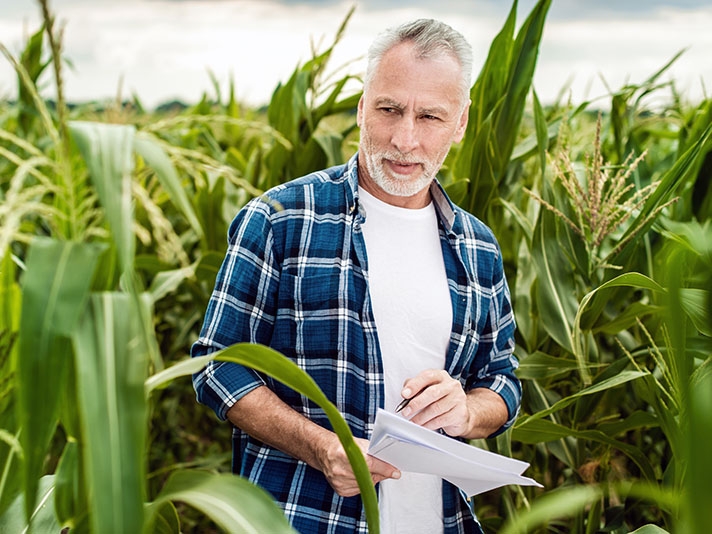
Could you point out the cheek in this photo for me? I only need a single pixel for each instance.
(375, 132)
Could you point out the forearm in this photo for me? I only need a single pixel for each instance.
(264, 416)
(487, 413)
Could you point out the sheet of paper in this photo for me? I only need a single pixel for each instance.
(410, 447)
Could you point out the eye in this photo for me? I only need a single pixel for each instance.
(428, 117)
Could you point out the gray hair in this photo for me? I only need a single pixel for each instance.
(431, 38)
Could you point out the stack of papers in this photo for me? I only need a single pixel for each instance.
(411, 447)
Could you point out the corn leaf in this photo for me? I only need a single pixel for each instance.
(180, 369)
(635, 280)
(68, 500)
(271, 362)
(666, 189)
(555, 290)
(108, 152)
(10, 448)
(55, 290)
(498, 99)
(700, 461)
(234, 503)
(604, 385)
(560, 503)
(41, 517)
(649, 529)
(162, 518)
(155, 156)
(538, 366)
(111, 365)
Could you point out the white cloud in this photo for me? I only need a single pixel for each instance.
(164, 49)
(627, 50)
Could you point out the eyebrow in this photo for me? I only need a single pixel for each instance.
(436, 110)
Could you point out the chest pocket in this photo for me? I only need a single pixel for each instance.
(310, 309)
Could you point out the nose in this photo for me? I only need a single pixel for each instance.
(404, 137)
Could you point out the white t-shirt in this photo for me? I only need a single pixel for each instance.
(413, 314)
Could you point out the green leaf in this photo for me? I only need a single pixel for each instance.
(634, 421)
(162, 518)
(457, 190)
(542, 135)
(67, 501)
(54, 293)
(166, 282)
(10, 466)
(669, 184)
(564, 502)
(635, 280)
(111, 365)
(41, 516)
(150, 150)
(178, 370)
(698, 438)
(694, 303)
(538, 366)
(604, 385)
(627, 318)
(108, 152)
(271, 362)
(534, 430)
(498, 99)
(234, 503)
(556, 292)
(649, 529)
(570, 500)
(209, 204)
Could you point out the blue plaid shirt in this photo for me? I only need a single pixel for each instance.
(295, 277)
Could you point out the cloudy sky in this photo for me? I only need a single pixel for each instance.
(164, 49)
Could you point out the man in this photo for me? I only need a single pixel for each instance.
(368, 278)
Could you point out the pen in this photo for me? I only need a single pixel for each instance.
(403, 404)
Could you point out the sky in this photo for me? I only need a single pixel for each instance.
(160, 50)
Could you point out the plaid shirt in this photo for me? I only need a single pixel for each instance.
(295, 277)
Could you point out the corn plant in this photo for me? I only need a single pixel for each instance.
(82, 353)
(111, 236)
(298, 108)
(476, 170)
(592, 371)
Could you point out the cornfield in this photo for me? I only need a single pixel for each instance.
(112, 227)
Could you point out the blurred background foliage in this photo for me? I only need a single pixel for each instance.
(112, 227)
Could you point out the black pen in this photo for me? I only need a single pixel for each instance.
(403, 404)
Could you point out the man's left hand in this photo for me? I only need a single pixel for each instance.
(438, 401)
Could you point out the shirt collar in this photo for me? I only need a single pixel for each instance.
(443, 205)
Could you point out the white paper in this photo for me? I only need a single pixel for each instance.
(411, 447)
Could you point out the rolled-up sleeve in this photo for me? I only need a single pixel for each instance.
(242, 308)
(495, 363)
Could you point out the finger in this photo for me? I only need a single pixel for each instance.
(432, 400)
(449, 407)
(415, 385)
(382, 469)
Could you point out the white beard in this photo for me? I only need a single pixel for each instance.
(400, 185)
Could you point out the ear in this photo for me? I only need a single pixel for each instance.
(359, 111)
(462, 123)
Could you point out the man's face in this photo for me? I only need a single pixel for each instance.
(410, 114)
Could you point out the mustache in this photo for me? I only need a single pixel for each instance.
(399, 158)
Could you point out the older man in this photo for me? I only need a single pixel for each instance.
(373, 282)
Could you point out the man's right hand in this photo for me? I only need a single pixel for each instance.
(334, 463)
(264, 416)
